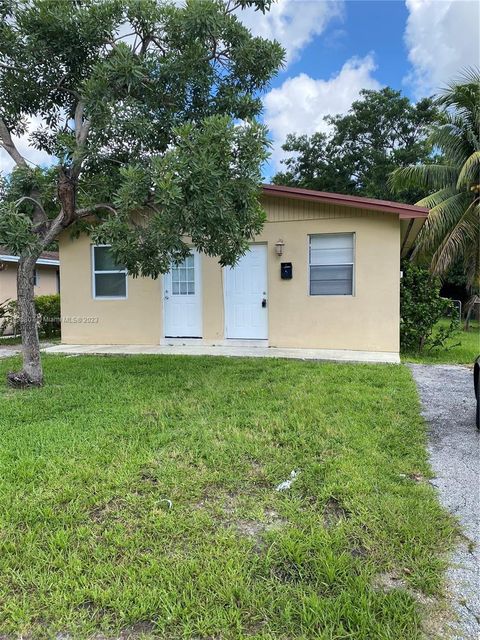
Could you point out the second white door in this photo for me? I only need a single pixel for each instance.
(183, 300)
(246, 302)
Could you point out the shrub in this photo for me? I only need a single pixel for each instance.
(48, 316)
(8, 317)
(421, 307)
(48, 311)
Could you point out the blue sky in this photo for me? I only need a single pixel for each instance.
(335, 48)
(367, 27)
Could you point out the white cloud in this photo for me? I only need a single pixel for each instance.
(300, 104)
(25, 149)
(442, 37)
(294, 23)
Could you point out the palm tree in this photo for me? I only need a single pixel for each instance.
(451, 232)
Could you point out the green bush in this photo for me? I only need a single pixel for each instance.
(8, 317)
(421, 307)
(48, 315)
(48, 310)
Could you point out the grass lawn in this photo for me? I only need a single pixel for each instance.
(462, 348)
(89, 543)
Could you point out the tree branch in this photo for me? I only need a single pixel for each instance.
(7, 143)
(39, 215)
(35, 202)
(60, 87)
(88, 211)
(82, 127)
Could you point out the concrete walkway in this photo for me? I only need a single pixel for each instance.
(222, 350)
(448, 402)
(9, 350)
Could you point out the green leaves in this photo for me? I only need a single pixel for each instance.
(16, 230)
(421, 307)
(381, 132)
(203, 191)
(138, 101)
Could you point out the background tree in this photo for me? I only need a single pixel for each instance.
(138, 102)
(380, 132)
(452, 230)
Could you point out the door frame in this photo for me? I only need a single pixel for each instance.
(199, 293)
(247, 341)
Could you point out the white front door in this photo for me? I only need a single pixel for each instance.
(246, 311)
(183, 300)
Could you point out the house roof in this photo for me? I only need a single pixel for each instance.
(404, 211)
(47, 258)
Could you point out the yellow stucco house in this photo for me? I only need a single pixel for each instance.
(323, 275)
(46, 280)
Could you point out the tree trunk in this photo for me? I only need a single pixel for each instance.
(32, 373)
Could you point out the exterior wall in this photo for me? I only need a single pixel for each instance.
(47, 281)
(136, 320)
(366, 321)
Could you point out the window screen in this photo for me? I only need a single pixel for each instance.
(109, 278)
(331, 264)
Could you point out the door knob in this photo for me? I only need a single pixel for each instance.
(264, 303)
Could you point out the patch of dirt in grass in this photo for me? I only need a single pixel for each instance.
(227, 509)
(436, 614)
(148, 476)
(100, 513)
(258, 476)
(334, 512)
(255, 529)
(415, 477)
(388, 581)
(138, 631)
(358, 551)
(437, 620)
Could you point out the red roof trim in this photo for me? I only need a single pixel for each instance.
(402, 210)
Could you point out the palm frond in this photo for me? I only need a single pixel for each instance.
(461, 240)
(453, 142)
(451, 230)
(427, 176)
(441, 220)
(463, 96)
(437, 197)
(470, 172)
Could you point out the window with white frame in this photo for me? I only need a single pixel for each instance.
(109, 278)
(36, 278)
(183, 277)
(331, 264)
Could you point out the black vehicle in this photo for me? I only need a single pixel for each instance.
(476, 383)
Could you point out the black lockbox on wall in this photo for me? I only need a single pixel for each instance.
(286, 271)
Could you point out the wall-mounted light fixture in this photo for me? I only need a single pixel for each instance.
(279, 247)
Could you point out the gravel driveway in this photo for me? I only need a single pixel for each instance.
(448, 403)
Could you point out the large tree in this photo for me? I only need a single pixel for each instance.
(148, 109)
(380, 132)
(451, 234)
